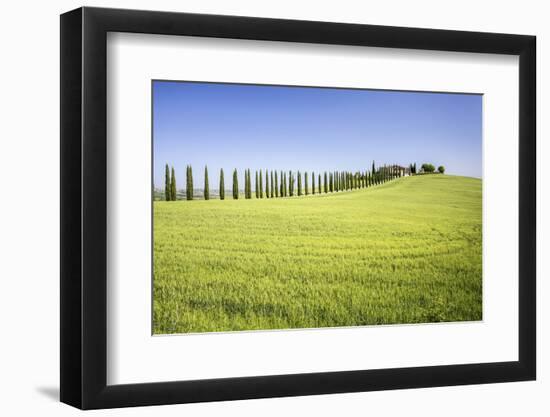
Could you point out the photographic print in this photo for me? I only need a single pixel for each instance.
(290, 207)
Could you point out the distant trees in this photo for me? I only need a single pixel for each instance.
(428, 168)
(441, 169)
(289, 183)
(235, 185)
(206, 185)
(167, 184)
(222, 186)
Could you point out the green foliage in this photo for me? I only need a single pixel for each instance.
(189, 183)
(167, 184)
(299, 183)
(306, 183)
(271, 188)
(206, 184)
(276, 185)
(426, 167)
(222, 185)
(257, 185)
(173, 188)
(313, 183)
(441, 169)
(235, 185)
(325, 189)
(409, 251)
(267, 192)
(261, 185)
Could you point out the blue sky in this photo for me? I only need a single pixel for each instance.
(309, 129)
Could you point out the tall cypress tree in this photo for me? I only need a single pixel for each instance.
(276, 184)
(290, 184)
(299, 183)
(282, 191)
(319, 183)
(261, 185)
(222, 185)
(306, 185)
(173, 188)
(285, 189)
(271, 188)
(331, 183)
(246, 184)
(257, 186)
(235, 185)
(167, 191)
(313, 183)
(189, 188)
(326, 183)
(266, 184)
(206, 184)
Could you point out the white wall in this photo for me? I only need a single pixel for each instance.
(29, 220)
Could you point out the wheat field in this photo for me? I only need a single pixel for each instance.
(407, 251)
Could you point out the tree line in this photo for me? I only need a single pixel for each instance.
(277, 183)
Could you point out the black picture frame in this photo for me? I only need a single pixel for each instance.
(84, 207)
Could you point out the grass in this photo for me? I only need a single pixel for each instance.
(408, 251)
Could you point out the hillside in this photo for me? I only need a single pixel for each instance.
(407, 251)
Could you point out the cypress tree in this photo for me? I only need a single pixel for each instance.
(286, 186)
(299, 184)
(306, 183)
(331, 183)
(222, 185)
(282, 191)
(261, 185)
(313, 183)
(249, 184)
(257, 186)
(319, 184)
(167, 191)
(271, 188)
(173, 191)
(290, 184)
(326, 182)
(246, 184)
(235, 185)
(206, 185)
(276, 185)
(266, 184)
(189, 187)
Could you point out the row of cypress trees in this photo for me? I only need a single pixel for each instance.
(170, 193)
(282, 184)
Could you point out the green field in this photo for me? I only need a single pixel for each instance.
(407, 251)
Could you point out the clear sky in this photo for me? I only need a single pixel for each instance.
(309, 129)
